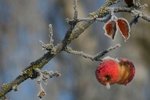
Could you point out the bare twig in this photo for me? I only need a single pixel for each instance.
(73, 21)
(43, 77)
(96, 57)
(75, 9)
(103, 19)
(134, 20)
(133, 11)
(145, 17)
(79, 53)
(49, 46)
(51, 34)
(101, 54)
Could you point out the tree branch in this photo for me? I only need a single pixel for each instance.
(133, 11)
(72, 33)
(96, 57)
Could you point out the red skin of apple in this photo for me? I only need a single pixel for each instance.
(115, 71)
(108, 71)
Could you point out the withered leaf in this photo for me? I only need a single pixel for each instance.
(124, 27)
(110, 28)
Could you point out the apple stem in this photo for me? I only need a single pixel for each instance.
(107, 85)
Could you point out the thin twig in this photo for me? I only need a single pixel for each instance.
(75, 9)
(96, 57)
(101, 54)
(147, 18)
(51, 34)
(79, 53)
(133, 11)
(134, 20)
(103, 19)
(43, 77)
(49, 46)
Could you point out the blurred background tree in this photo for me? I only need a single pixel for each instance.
(23, 23)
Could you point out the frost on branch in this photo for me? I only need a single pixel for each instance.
(96, 57)
(50, 45)
(43, 79)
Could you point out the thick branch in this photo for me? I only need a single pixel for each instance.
(72, 33)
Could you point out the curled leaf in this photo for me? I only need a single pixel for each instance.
(110, 29)
(124, 27)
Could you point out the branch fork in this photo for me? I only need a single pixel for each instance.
(43, 78)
